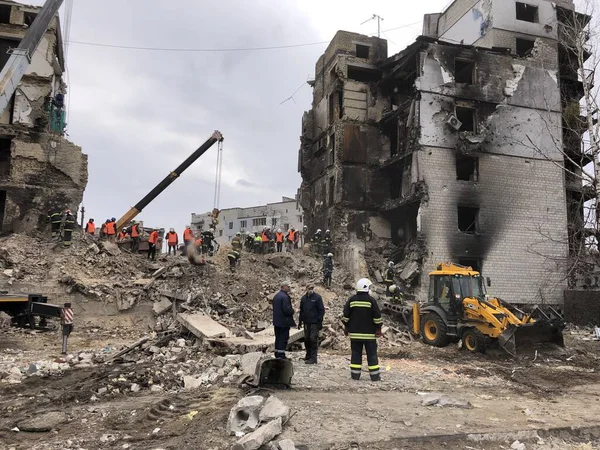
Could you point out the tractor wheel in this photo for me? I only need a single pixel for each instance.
(433, 330)
(473, 341)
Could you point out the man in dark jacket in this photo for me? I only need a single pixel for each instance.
(68, 227)
(283, 319)
(362, 322)
(311, 315)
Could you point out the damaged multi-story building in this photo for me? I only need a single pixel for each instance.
(450, 150)
(39, 167)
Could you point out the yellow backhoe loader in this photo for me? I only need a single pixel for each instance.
(458, 308)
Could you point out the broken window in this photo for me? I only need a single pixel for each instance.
(340, 96)
(362, 51)
(474, 263)
(29, 18)
(363, 75)
(524, 46)
(5, 13)
(467, 168)
(332, 149)
(468, 218)
(5, 156)
(394, 140)
(467, 118)
(330, 112)
(274, 222)
(331, 190)
(464, 71)
(5, 46)
(527, 13)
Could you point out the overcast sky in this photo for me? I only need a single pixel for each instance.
(138, 114)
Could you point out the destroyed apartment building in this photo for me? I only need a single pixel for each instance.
(39, 168)
(450, 150)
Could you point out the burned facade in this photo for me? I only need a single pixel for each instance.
(39, 168)
(450, 150)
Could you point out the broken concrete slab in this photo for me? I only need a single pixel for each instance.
(157, 273)
(244, 416)
(279, 261)
(202, 326)
(272, 409)
(44, 422)
(261, 436)
(190, 382)
(410, 270)
(162, 306)
(378, 276)
(286, 444)
(260, 341)
(435, 399)
(143, 282)
(111, 248)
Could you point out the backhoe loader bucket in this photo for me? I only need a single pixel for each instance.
(547, 328)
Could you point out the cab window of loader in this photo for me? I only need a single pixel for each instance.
(443, 291)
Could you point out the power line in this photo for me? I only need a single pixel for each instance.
(214, 50)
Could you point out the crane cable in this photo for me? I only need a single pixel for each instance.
(218, 174)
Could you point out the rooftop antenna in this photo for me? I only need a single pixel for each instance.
(379, 19)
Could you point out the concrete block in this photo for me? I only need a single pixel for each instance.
(286, 444)
(261, 436)
(272, 409)
(202, 326)
(111, 248)
(244, 416)
(162, 306)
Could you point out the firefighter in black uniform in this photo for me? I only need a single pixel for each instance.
(362, 322)
(389, 277)
(55, 217)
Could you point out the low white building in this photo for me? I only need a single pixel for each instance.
(284, 214)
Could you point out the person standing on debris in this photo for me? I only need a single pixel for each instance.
(327, 269)
(249, 242)
(66, 321)
(90, 227)
(111, 229)
(388, 279)
(395, 294)
(103, 229)
(207, 241)
(283, 319)
(327, 242)
(68, 227)
(257, 243)
(312, 312)
(172, 241)
(236, 242)
(55, 217)
(188, 236)
(234, 259)
(279, 240)
(265, 240)
(316, 243)
(152, 241)
(122, 235)
(290, 239)
(134, 232)
(362, 322)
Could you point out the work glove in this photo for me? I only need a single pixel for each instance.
(378, 332)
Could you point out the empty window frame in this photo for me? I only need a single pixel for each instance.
(527, 13)
(274, 222)
(332, 149)
(464, 71)
(5, 156)
(260, 221)
(231, 225)
(29, 17)
(330, 110)
(468, 219)
(467, 168)
(220, 232)
(467, 116)
(5, 13)
(362, 51)
(363, 75)
(243, 224)
(331, 190)
(524, 47)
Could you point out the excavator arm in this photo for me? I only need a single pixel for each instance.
(166, 182)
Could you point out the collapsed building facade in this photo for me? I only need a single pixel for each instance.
(451, 150)
(39, 168)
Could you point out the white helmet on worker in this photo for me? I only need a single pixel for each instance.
(187, 226)
(172, 230)
(279, 230)
(124, 229)
(363, 285)
(330, 255)
(393, 288)
(327, 231)
(319, 230)
(391, 264)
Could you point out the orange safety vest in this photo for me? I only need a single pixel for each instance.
(135, 231)
(188, 235)
(264, 237)
(153, 237)
(279, 237)
(199, 242)
(292, 236)
(110, 228)
(91, 227)
(172, 238)
(122, 235)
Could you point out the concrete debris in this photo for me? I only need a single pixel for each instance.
(162, 306)
(286, 444)
(244, 416)
(279, 261)
(5, 320)
(43, 423)
(434, 399)
(261, 436)
(273, 409)
(110, 248)
(158, 272)
(190, 382)
(517, 445)
(513, 84)
(202, 326)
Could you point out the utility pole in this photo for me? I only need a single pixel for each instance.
(379, 19)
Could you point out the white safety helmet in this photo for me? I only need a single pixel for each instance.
(187, 226)
(393, 288)
(363, 285)
(327, 231)
(391, 264)
(319, 230)
(172, 230)
(330, 255)
(279, 230)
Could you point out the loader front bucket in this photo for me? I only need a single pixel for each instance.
(517, 339)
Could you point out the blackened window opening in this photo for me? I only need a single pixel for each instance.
(524, 46)
(468, 218)
(362, 51)
(527, 13)
(467, 168)
(363, 75)
(5, 13)
(463, 71)
(467, 117)
(5, 157)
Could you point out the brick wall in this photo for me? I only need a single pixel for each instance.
(520, 201)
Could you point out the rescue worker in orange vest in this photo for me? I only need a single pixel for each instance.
(111, 229)
(188, 236)
(90, 227)
(198, 245)
(103, 229)
(122, 235)
(290, 239)
(279, 240)
(172, 241)
(265, 241)
(152, 241)
(134, 232)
